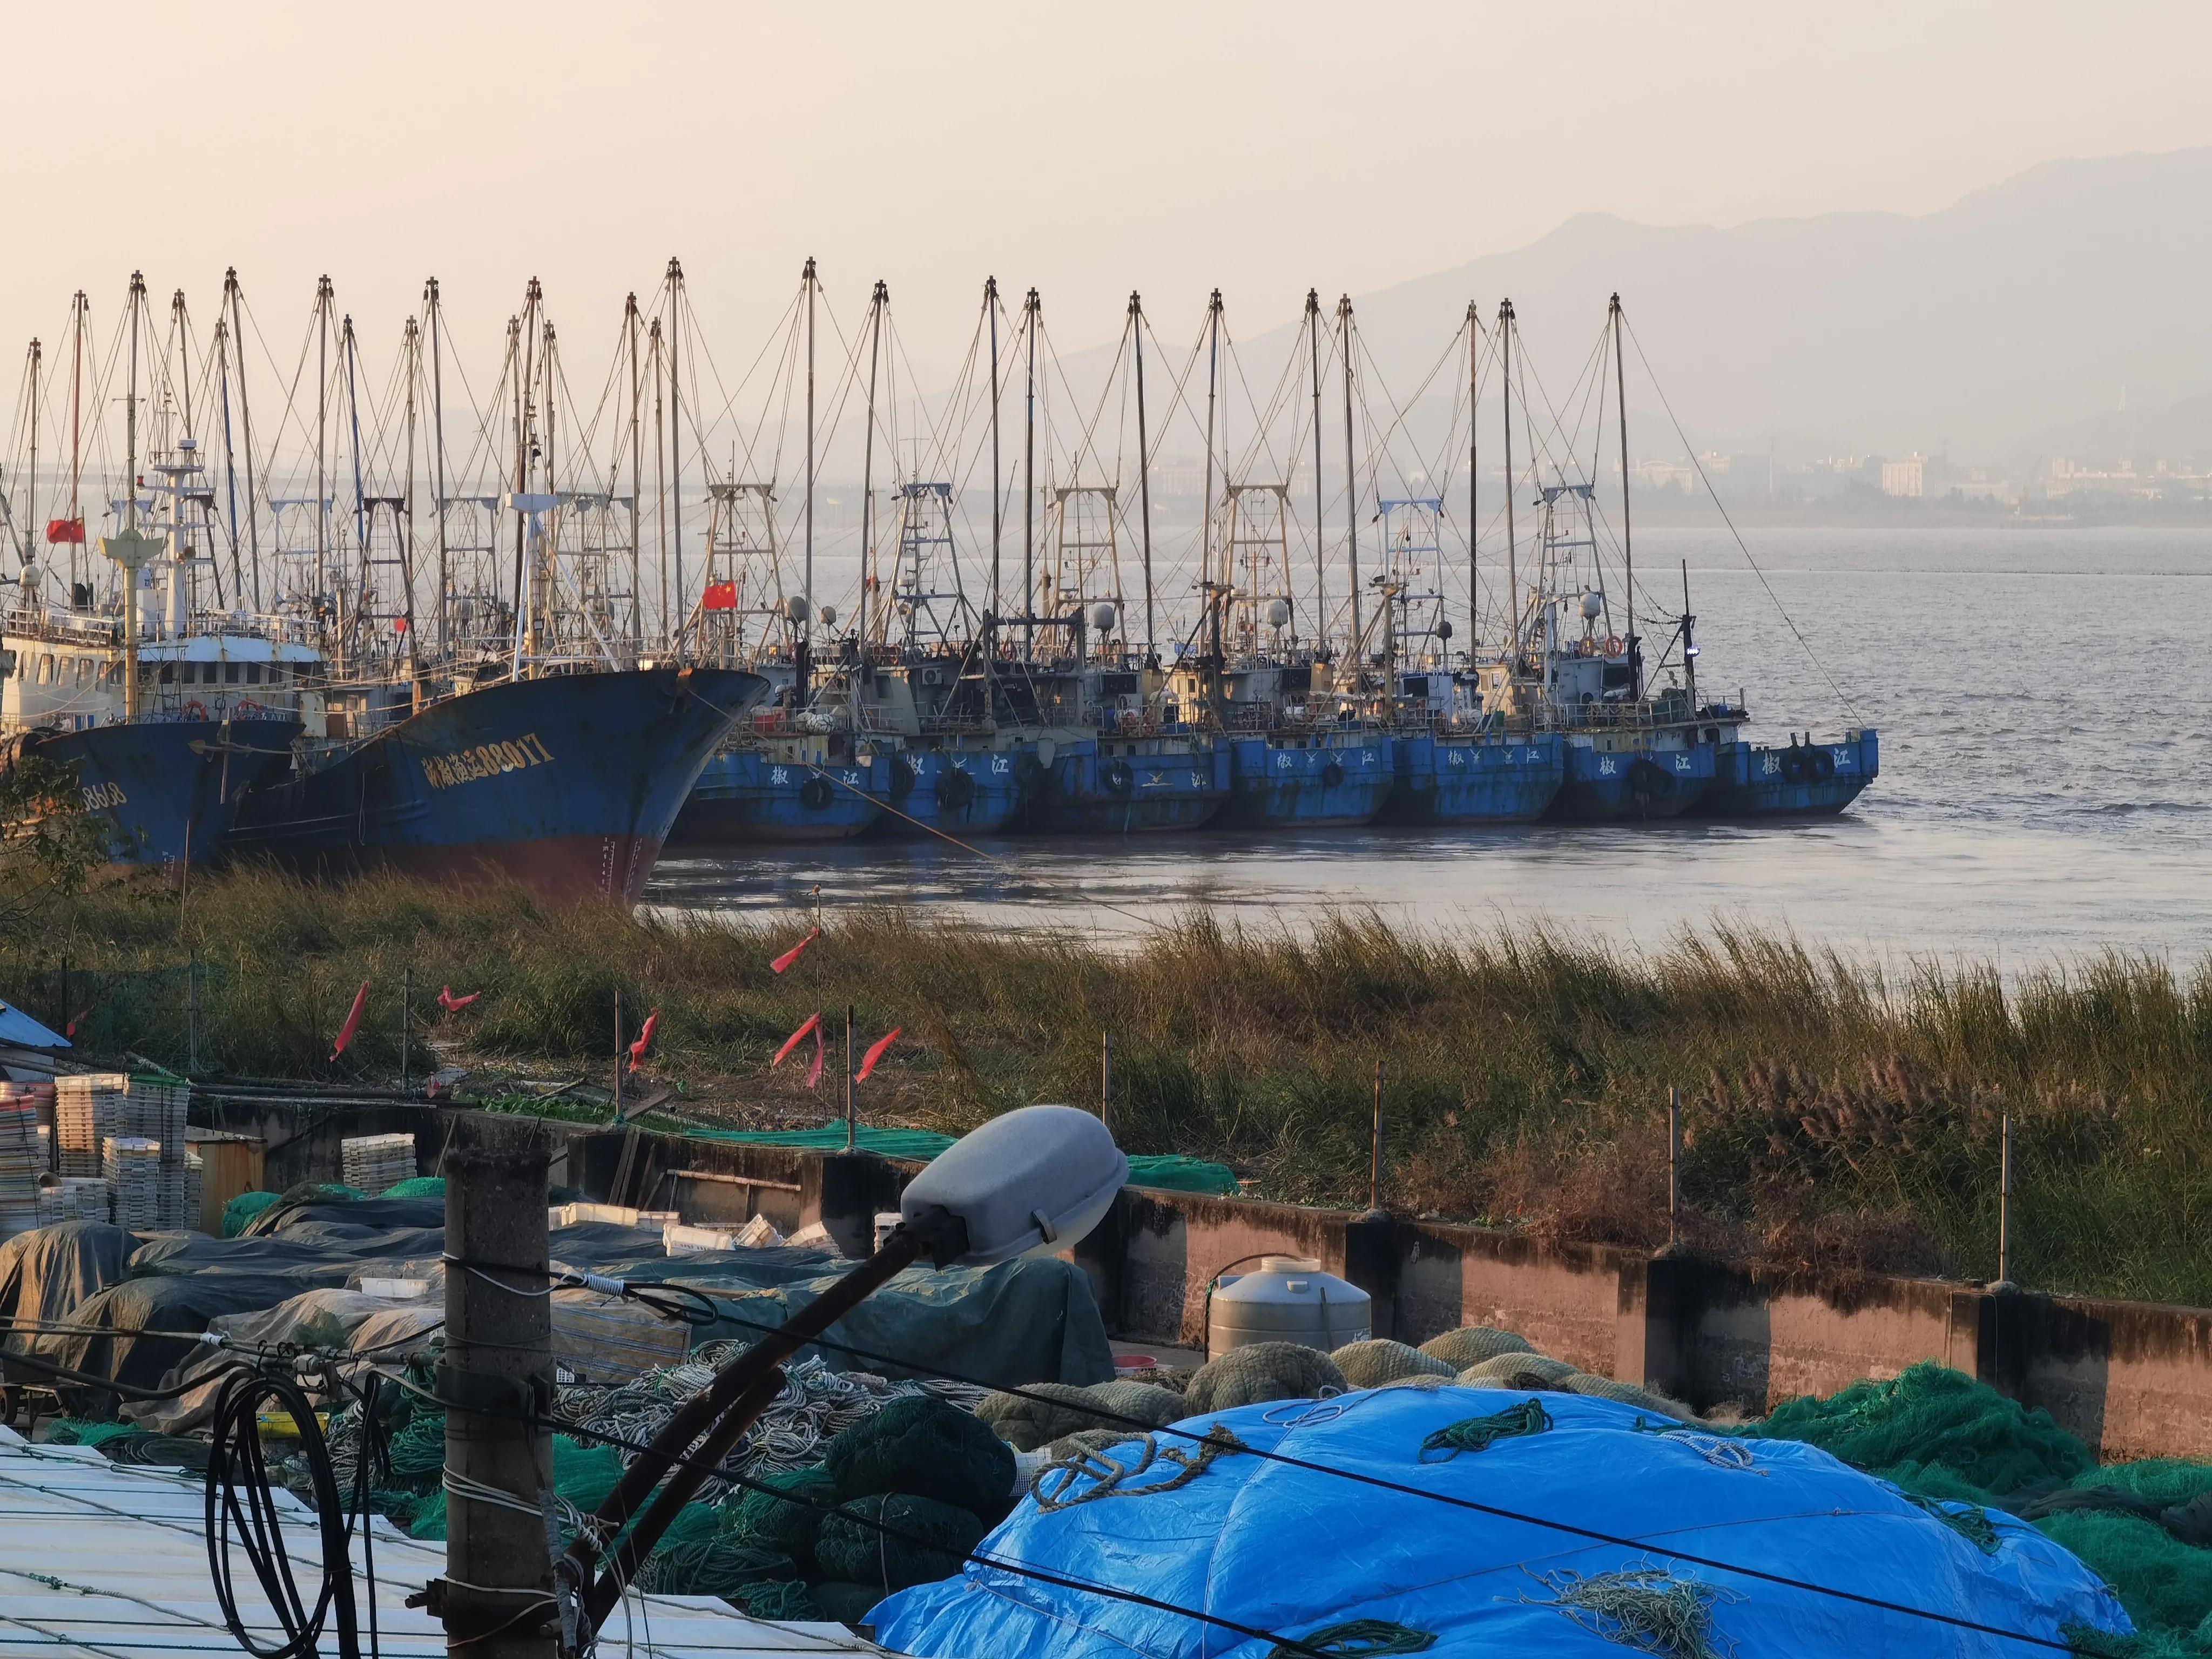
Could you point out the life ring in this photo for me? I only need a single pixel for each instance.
(902, 777)
(956, 788)
(1613, 646)
(1331, 775)
(1824, 764)
(1131, 719)
(1119, 777)
(193, 709)
(1795, 764)
(814, 794)
(247, 709)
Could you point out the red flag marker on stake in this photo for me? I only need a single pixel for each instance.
(449, 1001)
(876, 1052)
(352, 1021)
(814, 1071)
(644, 1037)
(69, 1029)
(792, 954)
(795, 1038)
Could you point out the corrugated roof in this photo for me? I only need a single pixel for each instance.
(18, 1030)
(99, 1560)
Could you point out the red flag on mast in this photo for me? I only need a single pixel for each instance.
(352, 1021)
(876, 1052)
(792, 954)
(645, 1036)
(719, 596)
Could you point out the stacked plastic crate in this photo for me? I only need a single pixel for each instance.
(72, 1198)
(156, 1112)
(88, 1108)
(132, 1165)
(372, 1163)
(20, 1167)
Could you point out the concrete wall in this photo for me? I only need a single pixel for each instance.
(2132, 1379)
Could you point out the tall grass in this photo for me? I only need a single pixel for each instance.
(1835, 1117)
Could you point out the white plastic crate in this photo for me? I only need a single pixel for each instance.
(372, 1163)
(88, 1108)
(132, 1167)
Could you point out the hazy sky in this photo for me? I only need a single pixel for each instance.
(1172, 147)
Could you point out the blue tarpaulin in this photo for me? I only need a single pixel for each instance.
(1299, 1552)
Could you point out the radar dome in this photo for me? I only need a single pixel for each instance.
(1278, 612)
(1593, 605)
(829, 616)
(796, 608)
(1102, 616)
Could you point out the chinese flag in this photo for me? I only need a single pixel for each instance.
(59, 531)
(720, 596)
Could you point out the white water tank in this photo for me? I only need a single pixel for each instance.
(1290, 1299)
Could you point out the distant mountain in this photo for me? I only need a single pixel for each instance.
(2027, 308)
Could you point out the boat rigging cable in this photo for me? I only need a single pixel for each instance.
(1804, 644)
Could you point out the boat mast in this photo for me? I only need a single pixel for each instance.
(1474, 475)
(130, 537)
(1321, 564)
(808, 280)
(414, 336)
(1506, 400)
(676, 435)
(31, 497)
(76, 433)
(876, 304)
(322, 434)
(350, 352)
(659, 475)
(229, 449)
(245, 429)
(636, 486)
(438, 441)
(1144, 474)
(522, 338)
(998, 486)
(179, 327)
(1212, 386)
(1351, 488)
(1028, 482)
(1627, 548)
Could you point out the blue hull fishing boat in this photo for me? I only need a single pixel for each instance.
(569, 784)
(785, 789)
(1649, 779)
(955, 791)
(1807, 779)
(1327, 780)
(1452, 780)
(1129, 785)
(168, 790)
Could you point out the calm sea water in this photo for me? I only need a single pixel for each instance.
(2047, 786)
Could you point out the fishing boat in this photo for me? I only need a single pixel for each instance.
(1806, 779)
(529, 736)
(163, 703)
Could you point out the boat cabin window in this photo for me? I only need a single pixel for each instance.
(84, 671)
(253, 673)
(46, 669)
(168, 672)
(1118, 685)
(230, 673)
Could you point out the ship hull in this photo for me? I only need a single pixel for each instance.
(1331, 780)
(1632, 784)
(1128, 785)
(1814, 781)
(1445, 780)
(952, 791)
(753, 794)
(165, 801)
(567, 785)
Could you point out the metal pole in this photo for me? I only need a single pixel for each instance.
(676, 442)
(852, 1132)
(1674, 1167)
(868, 473)
(1474, 475)
(1505, 403)
(496, 1599)
(1029, 482)
(1351, 488)
(1627, 549)
(1321, 564)
(998, 479)
(1144, 473)
(2004, 1207)
(619, 1054)
(1375, 1165)
(807, 277)
(1105, 1075)
(193, 1012)
(406, 1011)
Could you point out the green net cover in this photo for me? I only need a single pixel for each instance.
(241, 1210)
(417, 1187)
(1169, 1169)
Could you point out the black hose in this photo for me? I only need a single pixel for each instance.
(241, 1498)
